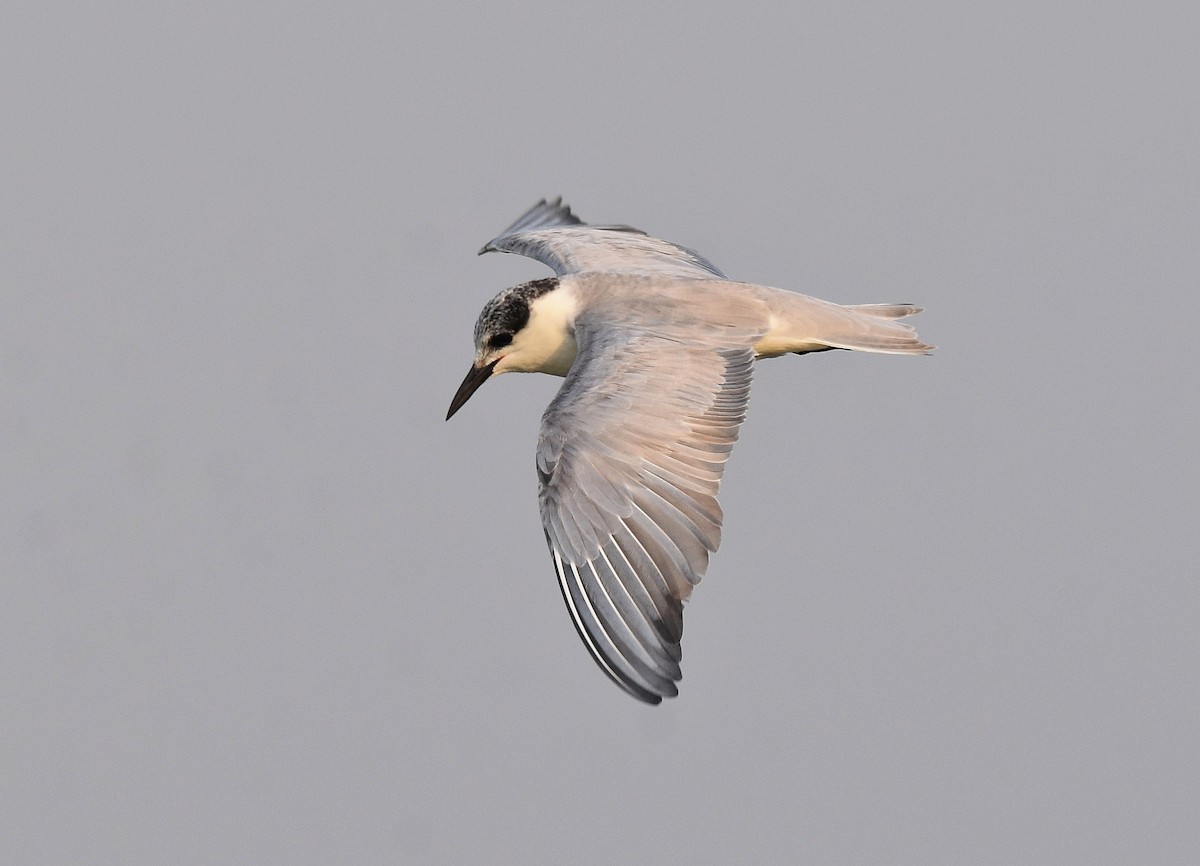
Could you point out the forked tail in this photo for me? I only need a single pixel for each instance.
(801, 324)
(875, 328)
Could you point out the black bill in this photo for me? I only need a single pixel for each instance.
(476, 377)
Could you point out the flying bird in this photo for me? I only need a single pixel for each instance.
(657, 347)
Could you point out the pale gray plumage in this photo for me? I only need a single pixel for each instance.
(657, 347)
(550, 233)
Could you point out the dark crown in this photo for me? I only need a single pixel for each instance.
(508, 312)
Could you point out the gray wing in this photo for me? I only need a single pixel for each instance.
(630, 456)
(550, 233)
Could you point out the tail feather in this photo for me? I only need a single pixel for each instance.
(885, 311)
(895, 342)
(873, 328)
(801, 324)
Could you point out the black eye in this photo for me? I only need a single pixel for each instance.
(499, 341)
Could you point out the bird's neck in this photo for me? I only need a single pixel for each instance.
(549, 338)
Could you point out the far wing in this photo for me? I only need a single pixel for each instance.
(630, 457)
(550, 233)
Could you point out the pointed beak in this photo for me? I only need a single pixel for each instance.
(476, 377)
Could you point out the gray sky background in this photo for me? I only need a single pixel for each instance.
(262, 605)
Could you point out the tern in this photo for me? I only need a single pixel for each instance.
(657, 347)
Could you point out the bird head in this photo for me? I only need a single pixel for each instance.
(513, 334)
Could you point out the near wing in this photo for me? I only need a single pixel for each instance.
(630, 455)
(550, 233)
